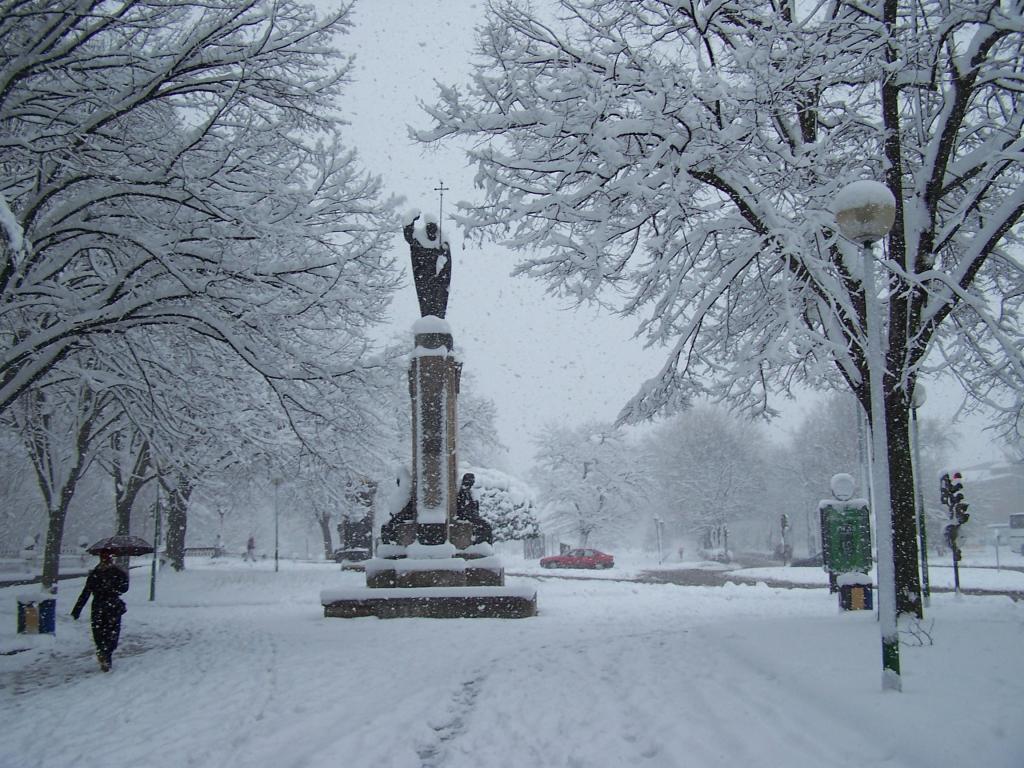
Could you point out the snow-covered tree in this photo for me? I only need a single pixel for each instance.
(22, 512)
(825, 442)
(176, 202)
(126, 458)
(589, 482)
(682, 160)
(709, 467)
(506, 502)
(61, 428)
(478, 428)
(178, 164)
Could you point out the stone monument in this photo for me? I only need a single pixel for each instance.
(435, 557)
(355, 530)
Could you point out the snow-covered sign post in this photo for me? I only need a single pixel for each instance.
(846, 544)
(865, 211)
(430, 561)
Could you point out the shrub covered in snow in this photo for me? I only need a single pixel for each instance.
(506, 503)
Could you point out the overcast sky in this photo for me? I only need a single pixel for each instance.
(537, 359)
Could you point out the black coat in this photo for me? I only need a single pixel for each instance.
(105, 584)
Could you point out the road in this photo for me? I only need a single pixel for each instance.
(701, 577)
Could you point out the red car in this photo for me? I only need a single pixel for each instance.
(578, 558)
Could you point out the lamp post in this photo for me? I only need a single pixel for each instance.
(865, 212)
(156, 542)
(864, 456)
(277, 484)
(916, 401)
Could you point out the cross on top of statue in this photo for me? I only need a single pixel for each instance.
(440, 189)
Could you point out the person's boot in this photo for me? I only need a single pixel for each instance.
(104, 660)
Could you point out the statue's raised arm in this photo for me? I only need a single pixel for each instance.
(431, 266)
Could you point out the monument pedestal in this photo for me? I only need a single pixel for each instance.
(429, 566)
(450, 588)
(450, 572)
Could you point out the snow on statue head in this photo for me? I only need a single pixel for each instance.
(425, 229)
(842, 486)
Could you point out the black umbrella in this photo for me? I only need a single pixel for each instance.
(121, 544)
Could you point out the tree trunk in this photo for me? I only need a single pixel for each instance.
(58, 496)
(904, 513)
(126, 490)
(324, 521)
(177, 522)
(51, 554)
(55, 525)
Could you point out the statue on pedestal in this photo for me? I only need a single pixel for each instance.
(434, 558)
(431, 266)
(467, 509)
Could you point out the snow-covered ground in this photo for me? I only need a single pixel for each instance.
(234, 665)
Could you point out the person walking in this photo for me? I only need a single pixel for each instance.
(250, 550)
(105, 584)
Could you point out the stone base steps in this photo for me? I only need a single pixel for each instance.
(431, 602)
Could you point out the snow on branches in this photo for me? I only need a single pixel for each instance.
(679, 161)
(177, 165)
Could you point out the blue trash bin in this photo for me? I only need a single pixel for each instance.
(37, 615)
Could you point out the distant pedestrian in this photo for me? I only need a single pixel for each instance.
(680, 552)
(250, 550)
(105, 584)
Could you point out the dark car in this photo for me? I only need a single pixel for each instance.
(578, 558)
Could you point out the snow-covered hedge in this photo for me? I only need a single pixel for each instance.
(506, 503)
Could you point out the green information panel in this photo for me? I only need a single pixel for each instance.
(845, 536)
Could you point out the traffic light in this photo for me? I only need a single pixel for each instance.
(951, 491)
(956, 490)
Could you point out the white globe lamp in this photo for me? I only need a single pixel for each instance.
(865, 211)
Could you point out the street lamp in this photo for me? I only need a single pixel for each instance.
(659, 529)
(277, 484)
(156, 541)
(865, 212)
